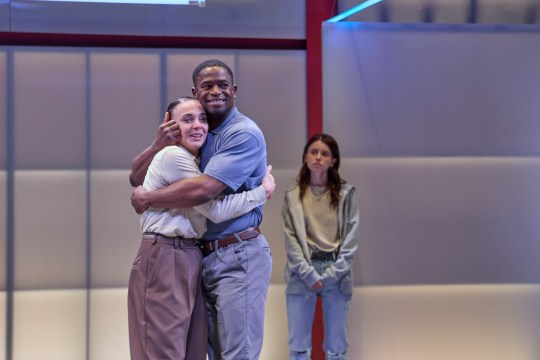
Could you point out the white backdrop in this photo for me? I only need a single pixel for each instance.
(439, 125)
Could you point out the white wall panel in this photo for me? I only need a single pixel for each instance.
(447, 220)
(114, 228)
(275, 325)
(272, 222)
(50, 229)
(3, 317)
(481, 322)
(108, 337)
(125, 97)
(49, 325)
(3, 226)
(109, 325)
(49, 109)
(478, 322)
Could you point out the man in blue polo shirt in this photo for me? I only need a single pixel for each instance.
(237, 261)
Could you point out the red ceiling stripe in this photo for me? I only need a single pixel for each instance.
(134, 41)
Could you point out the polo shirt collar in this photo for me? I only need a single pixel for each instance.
(227, 120)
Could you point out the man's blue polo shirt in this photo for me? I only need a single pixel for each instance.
(235, 154)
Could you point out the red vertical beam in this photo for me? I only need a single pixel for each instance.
(317, 11)
(317, 332)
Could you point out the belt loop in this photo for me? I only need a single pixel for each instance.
(155, 239)
(237, 237)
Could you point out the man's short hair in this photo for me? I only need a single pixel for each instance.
(210, 63)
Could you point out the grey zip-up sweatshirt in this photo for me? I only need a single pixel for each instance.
(299, 272)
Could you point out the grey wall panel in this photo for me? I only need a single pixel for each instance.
(444, 11)
(272, 91)
(505, 12)
(3, 108)
(125, 95)
(5, 13)
(432, 90)
(50, 109)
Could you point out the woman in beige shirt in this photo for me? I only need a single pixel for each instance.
(320, 224)
(166, 307)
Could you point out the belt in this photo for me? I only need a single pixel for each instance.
(176, 241)
(249, 233)
(322, 255)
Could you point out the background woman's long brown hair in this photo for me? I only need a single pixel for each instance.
(334, 180)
